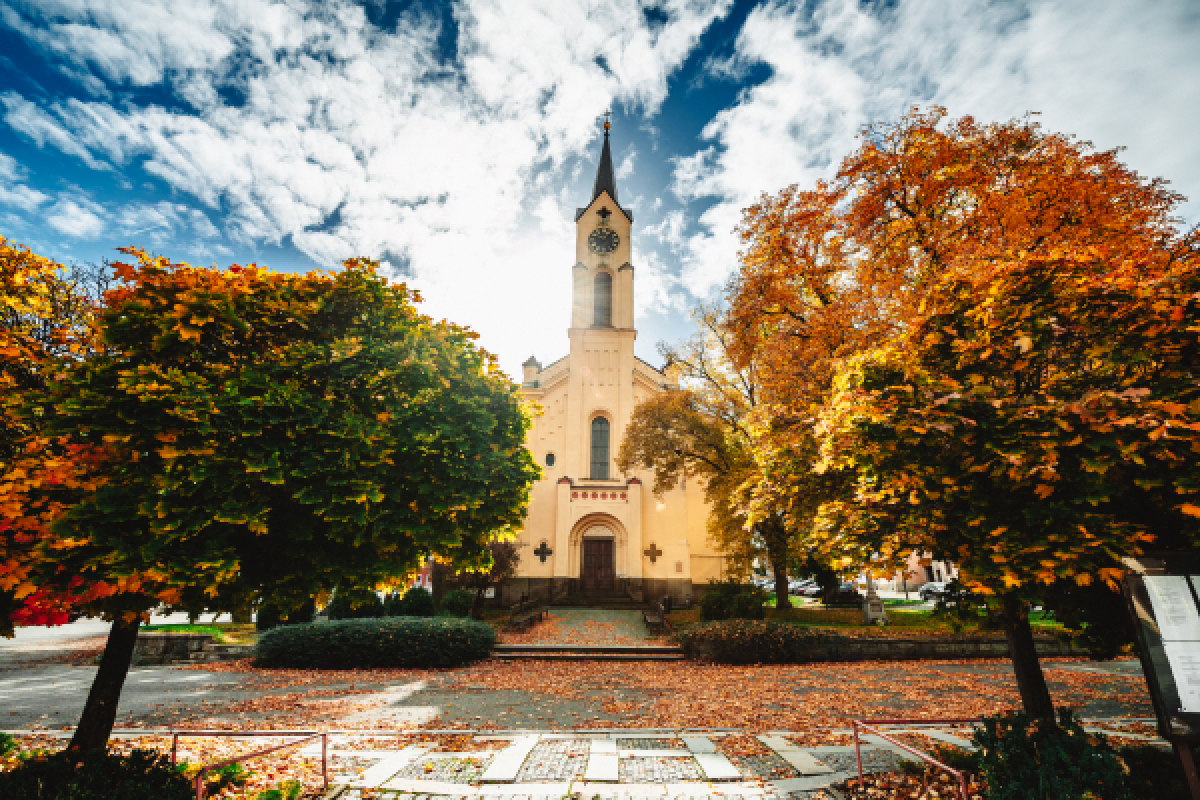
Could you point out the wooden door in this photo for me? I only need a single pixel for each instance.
(597, 564)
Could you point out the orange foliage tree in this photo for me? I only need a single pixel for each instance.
(248, 435)
(992, 325)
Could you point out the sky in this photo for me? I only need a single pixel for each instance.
(454, 141)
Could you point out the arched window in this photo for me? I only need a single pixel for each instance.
(599, 449)
(603, 298)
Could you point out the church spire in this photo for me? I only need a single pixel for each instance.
(605, 181)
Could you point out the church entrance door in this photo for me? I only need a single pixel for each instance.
(597, 564)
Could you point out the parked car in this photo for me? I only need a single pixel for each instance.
(811, 591)
(798, 586)
(931, 590)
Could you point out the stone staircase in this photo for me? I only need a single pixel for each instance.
(213, 652)
(612, 602)
(577, 652)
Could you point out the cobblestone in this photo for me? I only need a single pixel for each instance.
(873, 761)
(769, 767)
(555, 760)
(446, 770)
(666, 743)
(659, 770)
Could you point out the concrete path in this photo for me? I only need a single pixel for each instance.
(585, 626)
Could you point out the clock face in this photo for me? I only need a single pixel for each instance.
(603, 240)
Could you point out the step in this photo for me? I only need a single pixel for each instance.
(588, 657)
(575, 652)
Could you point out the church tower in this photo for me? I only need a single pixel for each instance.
(591, 529)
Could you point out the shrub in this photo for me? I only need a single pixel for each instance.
(459, 602)
(721, 601)
(1154, 772)
(715, 606)
(1022, 758)
(8, 743)
(355, 604)
(96, 775)
(271, 615)
(288, 790)
(416, 602)
(388, 642)
(748, 606)
(748, 642)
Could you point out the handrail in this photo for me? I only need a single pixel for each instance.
(865, 724)
(308, 735)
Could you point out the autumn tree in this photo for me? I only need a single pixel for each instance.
(1012, 391)
(46, 311)
(706, 430)
(258, 435)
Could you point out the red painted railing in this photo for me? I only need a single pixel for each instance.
(308, 736)
(866, 724)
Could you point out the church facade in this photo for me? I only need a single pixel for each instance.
(591, 529)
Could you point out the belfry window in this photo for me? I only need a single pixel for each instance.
(603, 299)
(599, 449)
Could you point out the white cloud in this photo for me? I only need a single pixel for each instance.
(625, 169)
(13, 193)
(1117, 73)
(354, 140)
(76, 217)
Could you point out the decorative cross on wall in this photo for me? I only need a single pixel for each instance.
(653, 553)
(603, 214)
(542, 552)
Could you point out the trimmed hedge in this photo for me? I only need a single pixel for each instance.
(738, 641)
(96, 775)
(387, 642)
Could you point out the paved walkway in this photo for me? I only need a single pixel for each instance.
(585, 626)
(627, 764)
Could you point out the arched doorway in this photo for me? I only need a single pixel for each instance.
(596, 570)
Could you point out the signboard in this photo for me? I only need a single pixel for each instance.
(1165, 605)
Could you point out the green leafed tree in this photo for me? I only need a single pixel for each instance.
(268, 435)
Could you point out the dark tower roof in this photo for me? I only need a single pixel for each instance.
(605, 181)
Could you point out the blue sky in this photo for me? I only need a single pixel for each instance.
(454, 140)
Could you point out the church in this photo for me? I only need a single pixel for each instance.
(591, 530)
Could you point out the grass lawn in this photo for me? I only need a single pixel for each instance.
(222, 632)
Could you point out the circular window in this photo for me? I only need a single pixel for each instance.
(549, 459)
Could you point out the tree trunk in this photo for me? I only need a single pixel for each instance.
(100, 711)
(1031, 682)
(777, 554)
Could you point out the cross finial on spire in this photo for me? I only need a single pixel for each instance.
(607, 124)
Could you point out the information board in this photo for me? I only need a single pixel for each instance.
(1178, 619)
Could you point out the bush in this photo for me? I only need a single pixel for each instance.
(96, 775)
(1155, 772)
(1022, 758)
(748, 606)
(355, 604)
(748, 642)
(288, 790)
(722, 601)
(388, 642)
(271, 615)
(8, 743)
(459, 602)
(416, 602)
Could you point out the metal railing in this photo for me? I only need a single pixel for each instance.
(207, 768)
(866, 724)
